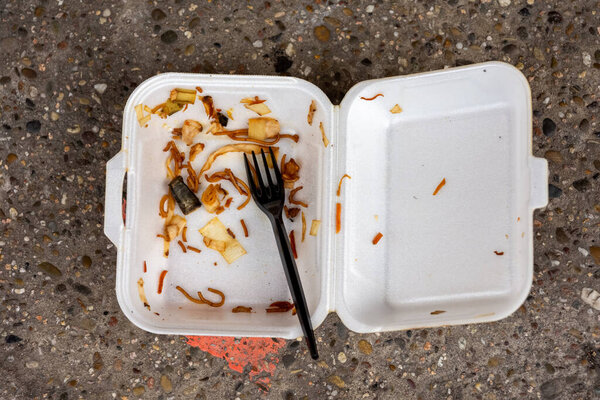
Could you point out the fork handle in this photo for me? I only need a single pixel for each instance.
(291, 273)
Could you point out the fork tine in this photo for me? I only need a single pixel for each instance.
(250, 177)
(264, 158)
(276, 168)
(258, 176)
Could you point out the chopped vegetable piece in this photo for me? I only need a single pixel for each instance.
(194, 249)
(161, 280)
(377, 238)
(230, 113)
(293, 243)
(145, 120)
(323, 136)
(247, 148)
(244, 227)
(211, 303)
(223, 120)
(212, 197)
(263, 128)
(280, 306)
(187, 296)
(441, 184)
(183, 96)
(216, 232)
(314, 227)
(195, 150)
(241, 309)
(199, 89)
(189, 130)
(139, 112)
(142, 294)
(303, 226)
(293, 201)
(311, 112)
(180, 243)
(338, 217)
(170, 107)
(259, 108)
(289, 172)
(339, 191)
(396, 109)
(218, 245)
(498, 253)
(372, 98)
(174, 226)
(184, 196)
(145, 269)
(437, 312)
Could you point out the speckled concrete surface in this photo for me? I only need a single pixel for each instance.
(66, 70)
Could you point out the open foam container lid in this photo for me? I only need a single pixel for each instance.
(464, 255)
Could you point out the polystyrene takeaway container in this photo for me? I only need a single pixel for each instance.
(462, 256)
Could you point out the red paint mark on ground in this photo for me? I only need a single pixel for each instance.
(260, 353)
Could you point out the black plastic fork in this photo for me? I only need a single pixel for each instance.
(270, 199)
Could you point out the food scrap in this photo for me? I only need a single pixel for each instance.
(293, 243)
(311, 112)
(187, 296)
(437, 312)
(180, 243)
(145, 269)
(141, 118)
(240, 147)
(377, 238)
(212, 197)
(244, 227)
(161, 280)
(303, 226)
(498, 253)
(396, 109)
(294, 201)
(263, 128)
(255, 104)
(216, 237)
(291, 213)
(142, 294)
(184, 234)
(314, 227)
(289, 172)
(241, 309)
(194, 249)
(211, 303)
(280, 306)
(237, 183)
(339, 191)
(230, 113)
(338, 217)
(323, 136)
(372, 98)
(441, 184)
(189, 130)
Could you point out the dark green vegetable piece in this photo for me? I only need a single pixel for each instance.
(185, 198)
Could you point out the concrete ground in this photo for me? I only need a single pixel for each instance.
(66, 70)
